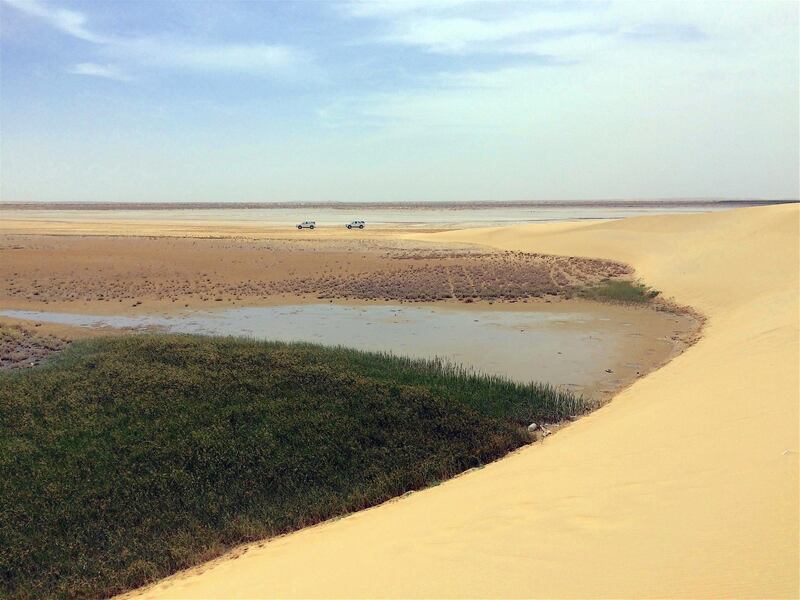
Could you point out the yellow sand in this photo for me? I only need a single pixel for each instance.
(686, 485)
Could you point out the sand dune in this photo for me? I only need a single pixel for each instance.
(686, 485)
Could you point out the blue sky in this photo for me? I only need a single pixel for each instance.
(392, 101)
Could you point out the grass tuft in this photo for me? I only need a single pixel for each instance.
(127, 459)
(620, 290)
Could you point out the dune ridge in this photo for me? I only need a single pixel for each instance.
(686, 485)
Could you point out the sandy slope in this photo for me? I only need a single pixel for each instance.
(685, 485)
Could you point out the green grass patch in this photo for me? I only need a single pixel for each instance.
(127, 459)
(620, 290)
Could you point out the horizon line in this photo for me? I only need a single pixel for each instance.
(411, 204)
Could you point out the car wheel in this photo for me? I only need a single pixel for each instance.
(349, 226)
(299, 226)
(361, 227)
(311, 227)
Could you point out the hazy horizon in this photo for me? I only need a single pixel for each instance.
(403, 203)
(411, 101)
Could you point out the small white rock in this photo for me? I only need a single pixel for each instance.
(533, 427)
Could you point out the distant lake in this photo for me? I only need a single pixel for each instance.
(391, 215)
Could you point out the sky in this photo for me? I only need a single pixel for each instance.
(414, 100)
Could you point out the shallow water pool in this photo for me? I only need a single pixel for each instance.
(592, 349)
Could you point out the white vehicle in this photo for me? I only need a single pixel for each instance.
(356, 225)
(307, 225)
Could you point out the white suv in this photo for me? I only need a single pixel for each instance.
(356, 224)
(307, 225)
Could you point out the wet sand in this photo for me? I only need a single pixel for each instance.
(686, 485)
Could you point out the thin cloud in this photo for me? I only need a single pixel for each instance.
(151, 51)
(67, 21)
(464, 27)
(466, 35)
(96, 70)
(390, 8)
(665, 32)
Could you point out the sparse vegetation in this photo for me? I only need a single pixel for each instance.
(500, 276)
(255, 271)
(126, 459)
(620, 290)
